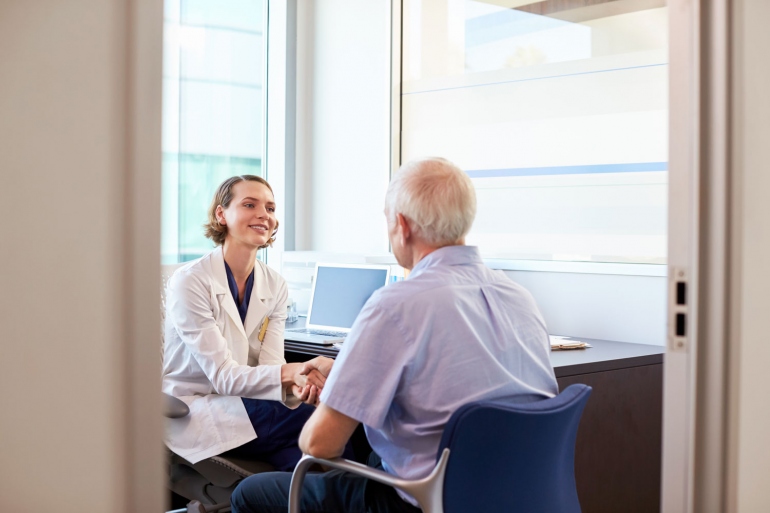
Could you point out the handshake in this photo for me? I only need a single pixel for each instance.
(309, 379)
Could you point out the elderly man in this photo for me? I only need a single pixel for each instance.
(453, 332)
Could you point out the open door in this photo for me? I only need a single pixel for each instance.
(694, 407)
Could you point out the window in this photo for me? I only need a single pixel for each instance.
(213, 111)
(558, 110)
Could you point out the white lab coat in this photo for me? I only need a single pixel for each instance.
(211, 359)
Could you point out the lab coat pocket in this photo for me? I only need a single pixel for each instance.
(189, 433)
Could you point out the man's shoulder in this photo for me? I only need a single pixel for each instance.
(457, 277)
(438, 286)
(404, 291)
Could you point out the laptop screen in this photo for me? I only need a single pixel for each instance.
(340, 292)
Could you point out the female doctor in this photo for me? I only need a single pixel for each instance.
(241, 392)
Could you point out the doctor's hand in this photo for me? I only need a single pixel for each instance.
(294, 374)
(303, 378)
(309, 394)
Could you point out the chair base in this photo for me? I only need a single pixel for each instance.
(213, 480)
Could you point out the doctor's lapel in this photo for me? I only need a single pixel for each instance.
(258, 304)
(222, 290)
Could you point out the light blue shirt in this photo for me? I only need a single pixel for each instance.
(454, 332)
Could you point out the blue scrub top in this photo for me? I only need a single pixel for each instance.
(243, 306)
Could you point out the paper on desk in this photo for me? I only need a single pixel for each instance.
(559, 343)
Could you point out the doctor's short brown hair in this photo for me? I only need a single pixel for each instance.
(224, 195)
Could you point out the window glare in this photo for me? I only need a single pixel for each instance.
(213, 119)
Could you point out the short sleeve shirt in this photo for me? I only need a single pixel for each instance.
(454, 332)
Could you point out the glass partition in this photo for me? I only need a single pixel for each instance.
(558, 110)
(213, 111)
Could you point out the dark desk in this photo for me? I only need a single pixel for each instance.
(618, 449)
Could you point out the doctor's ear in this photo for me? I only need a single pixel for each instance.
(220, 214)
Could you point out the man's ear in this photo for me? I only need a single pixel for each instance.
(403, 227)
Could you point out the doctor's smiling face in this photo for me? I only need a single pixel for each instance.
(248, 218)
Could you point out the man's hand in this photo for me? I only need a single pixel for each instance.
(321, 364)
(303, 378)
(301, 374)
(306, 380)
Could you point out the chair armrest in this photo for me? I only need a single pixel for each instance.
(428, 491)
(174, 408)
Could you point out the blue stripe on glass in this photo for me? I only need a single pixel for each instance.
(638, 167)
(548, 77)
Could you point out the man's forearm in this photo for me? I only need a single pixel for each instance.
(320, 447)
(326, 432)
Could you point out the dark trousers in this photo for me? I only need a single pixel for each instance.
(329, 492)
(278, 429)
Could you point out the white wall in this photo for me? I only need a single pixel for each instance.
(79, 258)
(343, 125)
(749, 423)
(602, 306)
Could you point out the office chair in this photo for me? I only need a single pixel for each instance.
(208, 483)
(493, 456)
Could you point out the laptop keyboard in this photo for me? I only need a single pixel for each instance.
(339, 334)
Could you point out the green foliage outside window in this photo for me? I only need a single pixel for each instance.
(195, 179)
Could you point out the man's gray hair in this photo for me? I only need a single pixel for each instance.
(436, 196)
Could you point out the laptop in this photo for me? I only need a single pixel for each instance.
(339, 293)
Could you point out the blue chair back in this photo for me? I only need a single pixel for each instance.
(512, 457)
